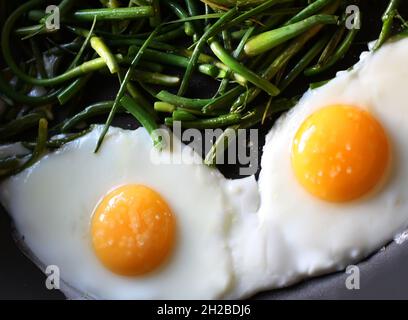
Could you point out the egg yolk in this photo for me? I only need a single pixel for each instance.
(340, 153)
(133, 230)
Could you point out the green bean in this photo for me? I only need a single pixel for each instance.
(182, 115)
(194, 11)
(156, 19)
(168, 97)
(143, 117)
(56, 143)
(387, 19)
(88, 35)
(161, 106)
(207, 10)
(20, 125)
(222, 102)
(83, 69)
(218, 122)
(69, 92)
(40, 147)
(206, 59)
(123, 86)
(194, 111)
(93, 110)
(156, 78)
(211, 31)
(315, 85)
(103, 51)
(238, 52)
(178, 61)
(30, 31)
(192, 7)
(311, 9)
(270, 39)
(331, 45)
(234, 65)
(339, 53)
(237, 55)
(211, 71)
(108, 14)
(182, 14)
(227, 40)
(303, 63)
(59, 142)
(140, 99)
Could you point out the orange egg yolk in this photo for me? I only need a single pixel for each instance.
(340, 153)
(133, 230)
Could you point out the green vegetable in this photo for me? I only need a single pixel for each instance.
(270, 39)
(218, 122)
(387, 19)
(339, 53)
(143, 117)
(108, 14)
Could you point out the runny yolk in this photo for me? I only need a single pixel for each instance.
(340, 153)
(133, 230)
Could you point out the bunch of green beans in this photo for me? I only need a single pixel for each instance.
(251, 50)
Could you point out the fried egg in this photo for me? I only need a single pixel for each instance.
(333, 184)
(119, 225)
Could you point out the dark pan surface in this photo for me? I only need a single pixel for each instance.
(383, 276)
